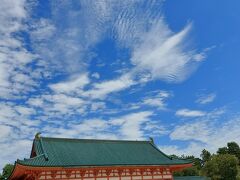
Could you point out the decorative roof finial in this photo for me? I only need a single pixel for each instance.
(151, 140)
(37, 136)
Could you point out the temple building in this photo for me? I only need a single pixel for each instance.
(91, 159)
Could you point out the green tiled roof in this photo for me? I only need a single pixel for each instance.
(60, 152)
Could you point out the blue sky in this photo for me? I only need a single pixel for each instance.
(119, 70)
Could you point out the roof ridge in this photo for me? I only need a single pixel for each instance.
(30, 159)
(43, 149)
(98, 140)
(160, 151)
(171, 158)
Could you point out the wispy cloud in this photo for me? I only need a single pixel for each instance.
(15, 79)
(192, 149)
(164, 55)
(199, 130)
(211, 131)
(101, 90)
(190, 113)
(206, 98)
(129, 126)
(156, 99)
(75, 84)
(156, 51)
(159, 100)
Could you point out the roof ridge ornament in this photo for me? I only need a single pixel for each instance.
(37, 135)
(151, 140)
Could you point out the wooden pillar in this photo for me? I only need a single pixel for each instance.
(120, 173)
(53, 174)
(68, 173)
(95, 173)
(131, 173)
(108, 172)
(161, 171)
(141, 172)
(82, 173)
(152, 171)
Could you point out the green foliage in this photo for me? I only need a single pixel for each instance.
(7, 170)
(234, 149)
(197, 163)
(210, 169)
(192, 171)
(206, 156)
(222, 166)
(238, 176)
(223, 150)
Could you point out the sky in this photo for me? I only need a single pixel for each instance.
(110, 69)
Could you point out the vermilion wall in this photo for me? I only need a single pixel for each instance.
(114, 174)
(96, 173)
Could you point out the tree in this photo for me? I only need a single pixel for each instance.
(234, 149)
(206, 156)
(223, 150)
(191, 171)
(7, 170)
(197, 163)
(210, 169)
(221, 166)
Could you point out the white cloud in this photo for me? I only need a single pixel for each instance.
(157, 100)
(38, 102)
(14, 75)
(100, 90)
(16, 127)
(190, 113)
(73, 85)
(192, 149)
(25, 110)
(156, 51)
(210, 132)
(207, 98)
(155, 48)
(64, 41)
(42, 30)
(154, 102)
(198, 130)
(130, 125)
(14, 149)
(96, 75)
(84, 129)
(11, 9)
(16, 116)
(61, 104)
(4, 132)
(97, 106)
(154, 129)
(164, 54)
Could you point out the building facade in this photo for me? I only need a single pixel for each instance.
(85, 159)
